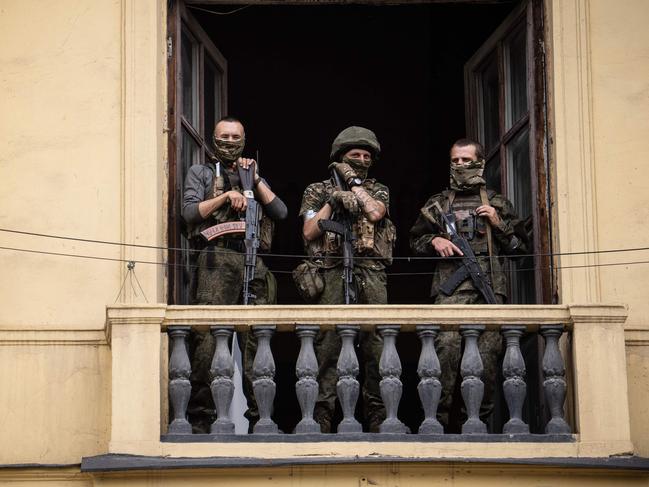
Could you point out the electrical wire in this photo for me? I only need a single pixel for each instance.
(230, 12)
(281, 271)
(304, 256)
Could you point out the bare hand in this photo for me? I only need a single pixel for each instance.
(445, 247)
(245, 163)
(489, 212)
(238, 202)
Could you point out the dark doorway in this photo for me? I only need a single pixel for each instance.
(297, 75)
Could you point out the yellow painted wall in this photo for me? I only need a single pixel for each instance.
(620, 106)
(359, 475)
(81, 132)
(55, 402)
(60, 67)
(599, 97)
(82, 153)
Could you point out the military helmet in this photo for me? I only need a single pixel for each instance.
(353, 137)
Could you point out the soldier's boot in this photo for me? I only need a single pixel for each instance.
(323, 416)
(374, 419)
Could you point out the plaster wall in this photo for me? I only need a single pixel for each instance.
(81, 156)
(599, 97)
(56, 402)
(359, 475)
(82, 139)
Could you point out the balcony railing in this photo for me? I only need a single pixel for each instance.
(147, 375)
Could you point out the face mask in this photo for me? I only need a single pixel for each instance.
(228, 151)
(359, 165)
(468, 176)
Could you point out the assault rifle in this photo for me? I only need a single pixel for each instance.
(341, 225)
(469, 265)
(251, 240)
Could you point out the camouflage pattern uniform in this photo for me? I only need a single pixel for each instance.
(508, 238)
(371, 283)
(219, 281)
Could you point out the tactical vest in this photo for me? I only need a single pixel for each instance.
(472, 227)
(225, 213)
(372, 240)
(467, 223)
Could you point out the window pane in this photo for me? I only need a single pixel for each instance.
(213, 109)
(189, 153)
(489, 96)
(518, 174)
(492, 173)
(519, 185)
(516, 79)
(189, 75)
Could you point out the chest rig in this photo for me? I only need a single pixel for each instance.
(461, 210)
(372, 239)
(229, 181)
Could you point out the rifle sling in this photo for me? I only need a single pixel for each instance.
(485, 201)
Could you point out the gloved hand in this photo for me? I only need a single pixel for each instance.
(346, 200)
(345, 170)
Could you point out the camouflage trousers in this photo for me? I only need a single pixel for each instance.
(220, 282)
(372, 289)
(451, 412)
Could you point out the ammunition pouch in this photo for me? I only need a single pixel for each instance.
(308, 280)
(385, 236)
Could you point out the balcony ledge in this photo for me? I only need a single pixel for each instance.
(123, 463)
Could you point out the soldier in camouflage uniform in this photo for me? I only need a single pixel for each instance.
(474, 208)
(353, 152)
(212, 195)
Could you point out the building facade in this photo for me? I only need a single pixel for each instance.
(92, 151)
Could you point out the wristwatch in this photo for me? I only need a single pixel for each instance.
(354, 182)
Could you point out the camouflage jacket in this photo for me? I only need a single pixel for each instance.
(200, 185)
(372, 239)
(508, 238)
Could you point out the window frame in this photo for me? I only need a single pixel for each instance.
(179, 21)
(528, 15)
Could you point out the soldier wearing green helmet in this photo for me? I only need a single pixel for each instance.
(366, 203)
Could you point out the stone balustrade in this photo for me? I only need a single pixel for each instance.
(582, 345)
(471, 370)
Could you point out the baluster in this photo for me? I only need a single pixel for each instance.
(554, 384)
(222, 385)
(179, 386)
(306, 388)
(263, 373)
(391, 386)
(429, 388)
(472, 387)
(347, 386)
(514, 387)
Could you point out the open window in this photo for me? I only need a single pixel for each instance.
(505, 111)
(300, 73)
(197, 99)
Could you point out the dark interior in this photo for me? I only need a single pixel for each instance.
(298, 75)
